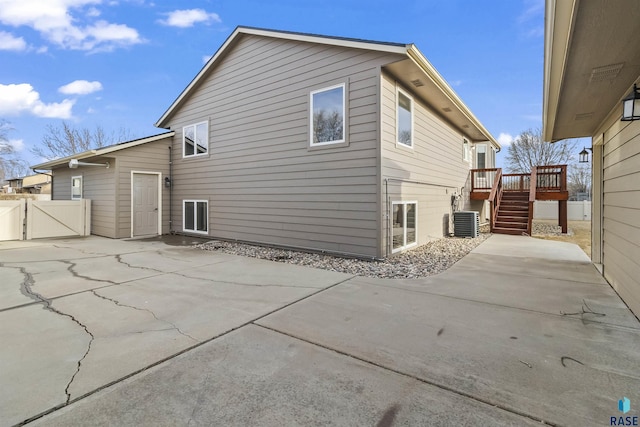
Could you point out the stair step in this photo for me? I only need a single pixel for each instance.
(513, 208)
(518, 225)
(513, 231)
(518, 219)
(520, 213)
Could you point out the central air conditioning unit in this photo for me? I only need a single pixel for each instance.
(466, 224)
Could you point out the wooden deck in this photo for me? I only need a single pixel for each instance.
(543, 183)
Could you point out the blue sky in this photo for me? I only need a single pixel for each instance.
(121, 63)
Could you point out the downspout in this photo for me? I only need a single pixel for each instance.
(170, 191)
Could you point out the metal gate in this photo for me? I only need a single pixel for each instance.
(30, 219)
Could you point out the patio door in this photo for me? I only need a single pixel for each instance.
(145, 207)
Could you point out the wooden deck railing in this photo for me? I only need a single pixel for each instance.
(483, 179)
(552, 178)
(495, 196)
(532, 196)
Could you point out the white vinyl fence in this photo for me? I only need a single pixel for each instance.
(31, 219)
(548, 209)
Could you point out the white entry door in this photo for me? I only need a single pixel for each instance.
(145, 204)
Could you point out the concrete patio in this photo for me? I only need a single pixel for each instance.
(109, 332)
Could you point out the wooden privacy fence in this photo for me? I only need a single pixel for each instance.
(32, 219)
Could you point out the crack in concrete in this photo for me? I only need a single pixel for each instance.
(121, 261)
(74, 273)
(118, 303)
(26, 288)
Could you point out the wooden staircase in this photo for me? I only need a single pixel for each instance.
(511, 196)
(513, 213)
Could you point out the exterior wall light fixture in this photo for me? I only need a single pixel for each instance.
(584, 155)
(631, 106)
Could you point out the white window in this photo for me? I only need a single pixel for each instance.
(466, 153)
(195, 216)
(404, 119)
(76, 187)
(195, 140)
(327, 121)
(404, 225)
(481, 156)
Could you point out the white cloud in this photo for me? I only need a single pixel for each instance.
(22, 98)
(80, 87)
(9, 42)
(189, 17)
(206, 59)
(17, 144)
(505, 139)
(60, 22)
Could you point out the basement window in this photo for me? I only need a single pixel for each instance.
(195, 140)
(404, 225)
(76, 187)
(195, 216)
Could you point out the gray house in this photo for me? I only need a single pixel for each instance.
(323, 143)
(592, 75)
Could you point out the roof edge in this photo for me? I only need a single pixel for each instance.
(400, 48)
(444, 87)
(559, 19)
(102, 151)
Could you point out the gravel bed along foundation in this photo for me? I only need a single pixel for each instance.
(431, 258)
(546, 229)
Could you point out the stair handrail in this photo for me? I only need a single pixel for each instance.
(495, 196)
(532, 196)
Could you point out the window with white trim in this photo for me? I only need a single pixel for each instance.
(404, 217)
(195, 216)
(404, 119)
(195, 140)
(76, 187)
(327, 121)
(466, 151)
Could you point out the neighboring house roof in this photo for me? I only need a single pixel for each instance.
(414, 70)
(102, 151)
(591, 59)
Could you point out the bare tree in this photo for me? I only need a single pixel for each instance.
(11, 166)
(65, 140)
(579, 177)
(327, 126)
(529, 150)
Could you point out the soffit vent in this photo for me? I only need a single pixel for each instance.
(606, 73)
(583, 116)
(417, 83)
(446, 109)
(465, 126)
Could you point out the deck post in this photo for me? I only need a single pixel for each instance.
(562, 215)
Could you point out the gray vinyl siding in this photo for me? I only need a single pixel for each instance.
(98, 184)
(262, 181)
(621, 210)
(150, 157)
(436, 159)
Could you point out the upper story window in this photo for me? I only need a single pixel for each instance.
(404, 119)
(76, 187)
(195, 139)
(481, 156)
(328, 115)
(466, 150)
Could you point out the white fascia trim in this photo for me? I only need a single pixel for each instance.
(422, 62)
(277, 34)
(102, 151)
(559, 19)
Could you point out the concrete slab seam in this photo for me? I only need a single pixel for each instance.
(245, 284)
(406, 375)
(120, 304)
(185, 350)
